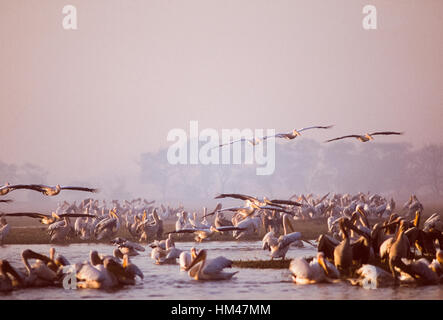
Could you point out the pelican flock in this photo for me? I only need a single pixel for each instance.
(368, 241)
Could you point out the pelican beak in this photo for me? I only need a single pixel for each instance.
(200, 256)
(321, 262)
(144, 215)
(55, 215)
(369, 136)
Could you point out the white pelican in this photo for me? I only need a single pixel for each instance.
(280, 246)
(318, 270)
(60, 230)
(46, 218)
(9, 277)
(108, 227)
(99, 276)
(366, 137)
(46, 190)
(127, 247)
(166, 255)
(246, 227)
(202, 234)
(295, 133)
(39, 274)
(202, 269)
(4, 230)
(372, 277)
(186, 258)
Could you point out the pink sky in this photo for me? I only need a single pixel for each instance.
(88, 102)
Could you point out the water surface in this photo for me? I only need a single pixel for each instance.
(168, 282)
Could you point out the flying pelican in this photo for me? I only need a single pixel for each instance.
(367, 136)
(253, 141)
(4, 230)
(295, 133)
(202, 269)
(318, 270)
(204, 233)
(46, 190)
(45, 218)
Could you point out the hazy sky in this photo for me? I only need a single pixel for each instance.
(88, 102)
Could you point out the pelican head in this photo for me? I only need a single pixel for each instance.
(201, 256)
(295, 133)
(368, 136)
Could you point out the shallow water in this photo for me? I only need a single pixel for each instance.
(168, 282)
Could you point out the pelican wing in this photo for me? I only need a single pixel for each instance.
(35, 187)
(286, 202)
(6, 200)
(300, 268)
(187, 230)
(236, 196)
(385, 133)
(88, 273)
(344, 137)
(217, 265)
(229, 228)
(286, 240)
(314, 127)
(28, 214)
(80, 189)
(77, 215)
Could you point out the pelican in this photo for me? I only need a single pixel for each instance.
(4, 190)
(295, 133)
(8, 276)
(100, 276)
(108, 227)
(39, 274)
(127, 247)
(202, 269)
(253, 141)
(4, 230)
(60, 230)
(372, 277)
(314, 272)
(149, 228)
(366, 137)
(203, 233)
(280, 246)
(186, 258)
(45, 218)
(46, 190)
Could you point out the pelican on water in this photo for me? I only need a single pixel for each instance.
(280, 246)
(186, 258)
(318, 270)
(202, 269)
(366, 137)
